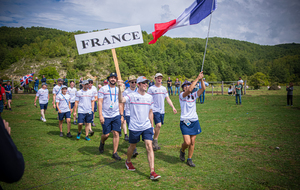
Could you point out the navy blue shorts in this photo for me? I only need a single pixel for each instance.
(1, 106)
(8, 96)
(158, 118)
(95, 107)
(134, 136)
(72, 105)
(111, 124)
(193, 129)
(127, 118)
(85, 117)
(43, 106)
(56, 108)
(64, 115)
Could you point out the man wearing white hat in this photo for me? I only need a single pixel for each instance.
(159, 94)
(141, 122)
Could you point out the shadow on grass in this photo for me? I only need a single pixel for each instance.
(77, 162)
(167, 158)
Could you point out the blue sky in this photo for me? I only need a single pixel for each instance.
(265, 22)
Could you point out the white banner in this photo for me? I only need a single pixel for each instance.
(108, 39)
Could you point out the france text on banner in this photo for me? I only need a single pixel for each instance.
(108, 39)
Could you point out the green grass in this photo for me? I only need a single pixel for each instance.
(236, 149)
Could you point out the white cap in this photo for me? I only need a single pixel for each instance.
(142, 79)
(158, 75)
(63, 86)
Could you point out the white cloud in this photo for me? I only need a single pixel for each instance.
(259, 21)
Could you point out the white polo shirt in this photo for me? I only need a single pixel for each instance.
(43, 96)
(110, 97)
(139, 111)
(63, 101)
(94, 90)
(159, 94)
(56, 90)
(127, 108)
(85, 99)
(188, 107)
(72, 93)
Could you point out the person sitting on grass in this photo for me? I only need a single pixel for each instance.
(189, 123)
(63, 105)
(229, 91)
(44, 97)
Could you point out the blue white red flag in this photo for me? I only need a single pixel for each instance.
(26, 79)
(198, 11)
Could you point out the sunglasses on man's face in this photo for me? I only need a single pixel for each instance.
(133, 82)
(144, 82)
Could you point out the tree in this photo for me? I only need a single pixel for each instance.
(49, 72)
(259, 79)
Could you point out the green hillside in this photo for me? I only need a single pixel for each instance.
(25, 50)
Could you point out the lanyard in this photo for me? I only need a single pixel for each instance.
(115, 93)
(65, 99)
(59, 90)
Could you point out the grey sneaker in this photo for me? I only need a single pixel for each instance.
(101, 147)
(74, 123)
(61, 134)
(126, 138)
(91, 133)
(155, 145)
(69, 135)
(182, 155)
(116, 156)
(135, 153)
(93, 125)
(190, 163)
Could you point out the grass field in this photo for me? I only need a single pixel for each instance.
(236, 150)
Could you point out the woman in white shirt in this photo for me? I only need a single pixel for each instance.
(229, 91)
(189, 123)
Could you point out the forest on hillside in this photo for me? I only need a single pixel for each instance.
(226, 59)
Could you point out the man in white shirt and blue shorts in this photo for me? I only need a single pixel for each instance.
(84, 101)
(141, 122)
(159, 94)
(110, 114)
(95, 92)
(72, 92)
(44, 97)
(63, 105)
(56, 90)
(189, 123)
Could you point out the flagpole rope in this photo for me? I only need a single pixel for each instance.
(212, 6)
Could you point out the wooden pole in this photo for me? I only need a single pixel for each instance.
(245, 86)
(222, 87)
(212, 89)
(117, 66)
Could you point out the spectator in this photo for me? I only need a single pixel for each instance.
(11, 160)
(241, 83)
(2, 97)
(65, 81)
(151, 83)
(105, 82)
(289, 90)
(127, 85)
(238, 91)
(203, 94)
(8, 94)
(80, 83)
(44, 80)
(54, 84)
(36, 84)
(177, 86)
(170, 91)
(229, 91)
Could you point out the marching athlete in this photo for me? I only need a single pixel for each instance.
(56, 90)
(159, 94)
(189, 123)
(44, 97)
(84, 101)
(141, 122)
(63, 105)
(72, 92)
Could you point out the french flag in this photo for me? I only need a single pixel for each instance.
(198, 11)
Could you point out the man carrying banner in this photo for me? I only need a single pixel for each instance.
(159, 94)
(141, 122)
(44, 97)
(84, 101)
(72, 92)
(63, 105)
(110, 114)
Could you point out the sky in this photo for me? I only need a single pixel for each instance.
(264, 22)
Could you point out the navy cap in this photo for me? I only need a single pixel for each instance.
(112, 75)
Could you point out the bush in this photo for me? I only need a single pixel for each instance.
(259, 79)
(49, 72)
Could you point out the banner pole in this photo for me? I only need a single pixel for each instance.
(117, 66)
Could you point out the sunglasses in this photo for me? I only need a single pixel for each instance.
(144, 82)
(133, 82)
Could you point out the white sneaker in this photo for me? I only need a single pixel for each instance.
(44, 120)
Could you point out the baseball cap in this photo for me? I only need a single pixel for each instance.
(132, 77)
(158, 75)
(186, 83)
(44, 84)
(59, 80)
(85, 82)
(105, 81)
(112, 75)
(142, 79)
(63, 86)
